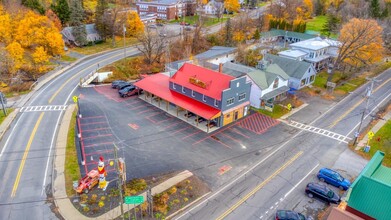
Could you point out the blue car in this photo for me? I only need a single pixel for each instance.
(334, 178)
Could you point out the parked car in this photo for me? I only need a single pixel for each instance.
(88, 182)
(322, 192)
(123, 85)
(152, 26)
(115, 83)
(129, 91)
(187, 24)
(289, 215)
(160, 24)
(189, 114)
(334, 178)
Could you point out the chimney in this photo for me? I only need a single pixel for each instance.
(220, 67)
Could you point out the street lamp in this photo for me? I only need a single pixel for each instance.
(124, 31)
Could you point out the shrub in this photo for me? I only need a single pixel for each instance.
(175, 201)
(160, 202)
(86, 209)
(93, 199)
(185, 199)
(183, 192)
(190, 188)
(137, 185)
(187, 181)
(101, 204)
(103, 198)
(172, 190)
(83, 198)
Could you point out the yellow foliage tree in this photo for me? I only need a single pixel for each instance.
(238, 36)
(304, 11)
(5, 26)
(40, 57)
(16, 53)
(134, 25)
(232, 5)
(360, 43)
(204, 2)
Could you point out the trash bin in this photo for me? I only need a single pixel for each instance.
(367, 148)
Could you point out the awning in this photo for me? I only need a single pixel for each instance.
(158, 85)
(275, 93)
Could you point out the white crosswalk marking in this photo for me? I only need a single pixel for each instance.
(43, 108)
(320, 131)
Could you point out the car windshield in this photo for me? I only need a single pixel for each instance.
(330, 194)
(338, 177)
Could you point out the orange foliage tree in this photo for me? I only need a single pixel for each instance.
(360, 43)
(232, 5)
(54, 18)
(134, 25)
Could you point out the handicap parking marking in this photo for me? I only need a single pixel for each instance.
(224, 169)
(137, 107)
(134, 126)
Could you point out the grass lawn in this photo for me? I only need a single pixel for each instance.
(99, 47)
(316, 23)
(72, 171)
(67, 58)
(2, 116)
(278, 111)
(261, 4)
(208, 21)
(384, 144)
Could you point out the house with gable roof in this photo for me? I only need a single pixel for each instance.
(213, 96)
(369, 196)
(276, 35)
(301, 74)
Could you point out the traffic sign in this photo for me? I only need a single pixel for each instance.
(75, 99)
(289, 106)
(370, 135)
(134, 199)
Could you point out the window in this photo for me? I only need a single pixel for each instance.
(230, 101)
(192, 93)
(275, 85)
(312, 55)
(237, 84)
(216, 103)
(302, 83)
(312, 78)
(173, 86)
(204, 98)
(183, 90)
(242, 96)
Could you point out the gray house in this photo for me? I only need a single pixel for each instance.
(92, 35)
(301, 73)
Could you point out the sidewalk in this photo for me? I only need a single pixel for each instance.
(63, 203)
(363, 142)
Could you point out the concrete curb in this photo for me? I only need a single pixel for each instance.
(363, 142)
(187, 206)
(7, 122)
(294, 111)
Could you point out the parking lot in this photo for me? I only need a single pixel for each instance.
(154, 142)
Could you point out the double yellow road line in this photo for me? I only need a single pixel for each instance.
(257, 188)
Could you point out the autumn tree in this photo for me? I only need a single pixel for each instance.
(305, 10)
(248, 57)
(54, 18)
(16, 53)
(360, 43)
(232, 5)
(5, 26)
(256, 35)
(134, 25)
(35, 5)
(100, 23)
(228, 33)
(76, 21)
(151, 46)
(61, 8)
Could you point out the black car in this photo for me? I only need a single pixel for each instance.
(123, 85)
(129, 91)
(289, 215)
(322, 192)
(115, 83)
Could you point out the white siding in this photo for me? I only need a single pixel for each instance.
(255, 95)
(222, 59)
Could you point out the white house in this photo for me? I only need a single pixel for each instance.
(319, 52)
(213, 8)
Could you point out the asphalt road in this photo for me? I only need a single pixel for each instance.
(27, 147)
(278, 180)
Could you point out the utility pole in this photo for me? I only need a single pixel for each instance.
(124, 31)
(3, 102)
(367, 96)
(119, 182)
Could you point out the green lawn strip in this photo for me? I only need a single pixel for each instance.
(207, 20)
(278, 111)
(351, 84)
(262, 4)
(316, 24)
(103, 46)
(67, 58)
(384, 144)
(122, 69)
(2, 116)
(72, 171)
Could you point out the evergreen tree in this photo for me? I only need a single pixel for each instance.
(76, 20)
(385, 12)
(228, 34)
(100, 21)
(374, 9)
(331, 25)
(35, 5)
(62, 10)
(257, 35)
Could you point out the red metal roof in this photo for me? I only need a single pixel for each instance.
(216, 82)
(158, 84)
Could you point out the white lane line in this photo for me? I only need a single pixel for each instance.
(297, 184)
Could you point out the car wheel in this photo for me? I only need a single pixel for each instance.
(310, 195)
(86, 191)
(321, 179)
(341, 188)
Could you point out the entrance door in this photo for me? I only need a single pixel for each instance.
(236, 115)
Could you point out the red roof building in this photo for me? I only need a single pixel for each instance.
(214, 97)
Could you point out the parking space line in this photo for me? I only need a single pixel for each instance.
(93, 123)
(165, 120)
(191, 134)
(232, 138)
(88, 117)
(97, 136)
(148, 110)
(240, 133)
(137, 107)
(170, 125)
(221, 143)
(100, 152)
(95, 129)
(180, 130)
(99, 144)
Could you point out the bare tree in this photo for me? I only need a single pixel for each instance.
(151, 46)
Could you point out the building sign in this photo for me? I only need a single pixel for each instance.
(193, 80)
